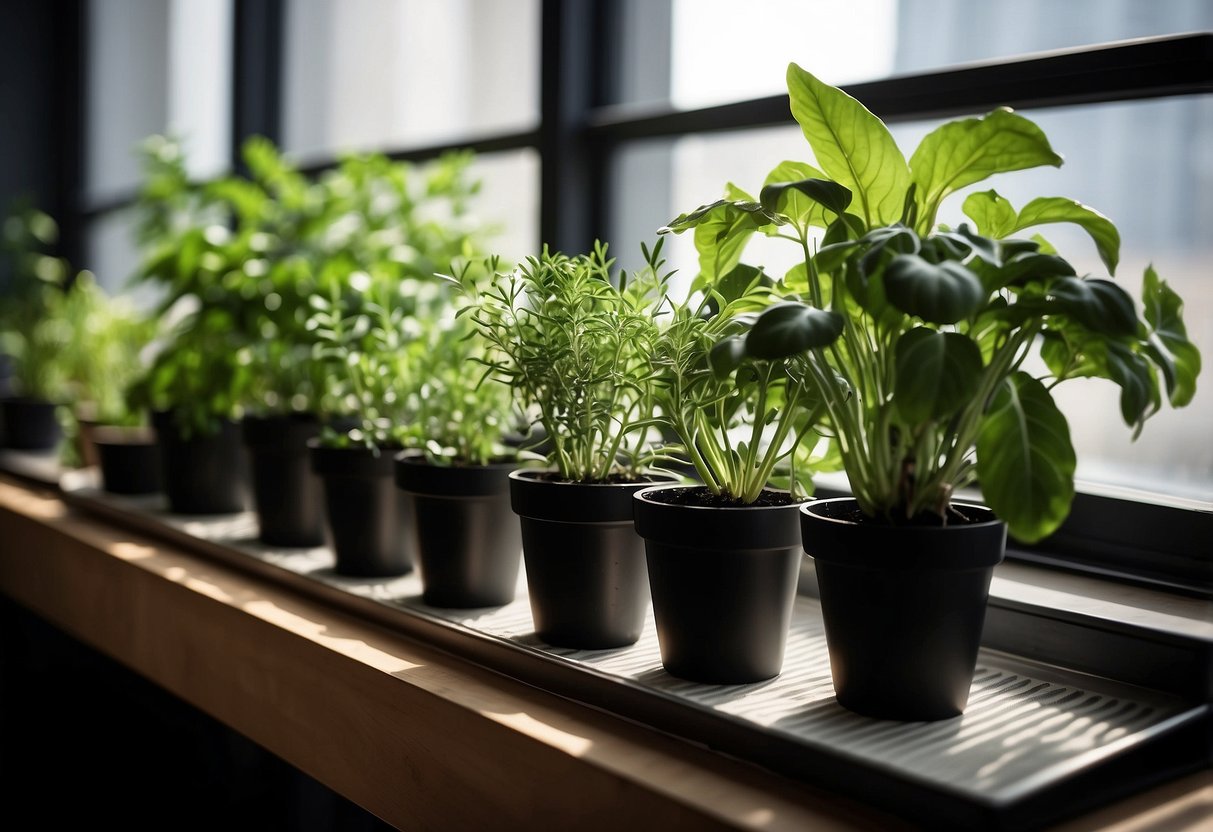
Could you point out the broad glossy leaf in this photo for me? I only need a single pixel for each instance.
(940, 293)
(964, 151)
(1168, 343)
(727, 355)
(1100, 305)
(852, 146)
(800, 209)
(743, 280)
(935, 373)
(1139, 394)
(789, 328)
(722, 229)
(1054, 209)
(1025, 460)
(775, 197)
(993, 215)
(1025, 268)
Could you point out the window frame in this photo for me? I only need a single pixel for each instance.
(582, 126)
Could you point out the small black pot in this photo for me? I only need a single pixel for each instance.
(369, 518)
(30, 424)
(202, 473)
(724, 584)
(287, 494)
(468, 542)
(584, 562)
(129, 458)
(903, 606)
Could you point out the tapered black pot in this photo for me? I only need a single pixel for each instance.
(468, 541)
(30, 424)
(903, 606)
(202, 473)
(724, 584)
(369, 518)
(129, 458)
(585, 567)
(287, 494)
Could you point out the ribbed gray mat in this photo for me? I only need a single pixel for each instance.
(1026, 726)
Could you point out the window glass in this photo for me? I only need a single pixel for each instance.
(508, 202)
(364, 74)
(1144, 164)
(156, 67)
(719, 50)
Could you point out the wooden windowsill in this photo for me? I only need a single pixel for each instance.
(414, 735)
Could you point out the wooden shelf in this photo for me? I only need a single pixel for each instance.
(418, 737)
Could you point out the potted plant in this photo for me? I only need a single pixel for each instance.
(915, 338)
(33, 332)
(573, 346)
(468, 541)
(398, 228)
(723, 556)
(103, 360)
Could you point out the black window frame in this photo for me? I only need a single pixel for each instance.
(582, 127)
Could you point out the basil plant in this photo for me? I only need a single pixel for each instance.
(915, 337)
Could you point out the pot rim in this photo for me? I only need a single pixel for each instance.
(643, 496)
(807, 508)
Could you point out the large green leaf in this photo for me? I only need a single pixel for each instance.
(797, 207)
(935, 373)
(727, 355)
(791, 327)
(1054, 209)
(1025, 461)
(1139, 396)
(776, 197)
(993, 215)
(939, 293)
(852, 146)
(965, 151)
(1100, 305)
(722, 229)
(1168, 343)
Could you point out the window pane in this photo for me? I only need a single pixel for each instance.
(720, 50)
(366, 74)
(1144, 164)
(508, 202)
(156, 67)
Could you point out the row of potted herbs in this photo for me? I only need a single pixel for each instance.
(895, 350)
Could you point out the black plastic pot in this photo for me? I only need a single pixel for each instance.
(468, 541)
(287, 494)
(724, 584)
(202, 473)
(585, 564)
(369, 518)
(129, 458)
(903, 606)
(30, 424)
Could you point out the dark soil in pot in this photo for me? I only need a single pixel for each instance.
(202, 473)
(468, 541)
(903, 606)
(370, 520)
(129, 458)
(585, 565)
(287, 495)
(724, 583)
(30, 424)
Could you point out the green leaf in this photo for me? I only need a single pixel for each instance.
(1139, 397)
(962, 152)
(727, 355)
(1024, 268)
(1025, 461)
(1100, 305)
(1167, 339)
(852, 146)
(775, 196)
(1055, 209)
(788, 328)
(993, 215)
(939, 293)
(796, 206)
(935, 373)
(722, 229)
(743, 280)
